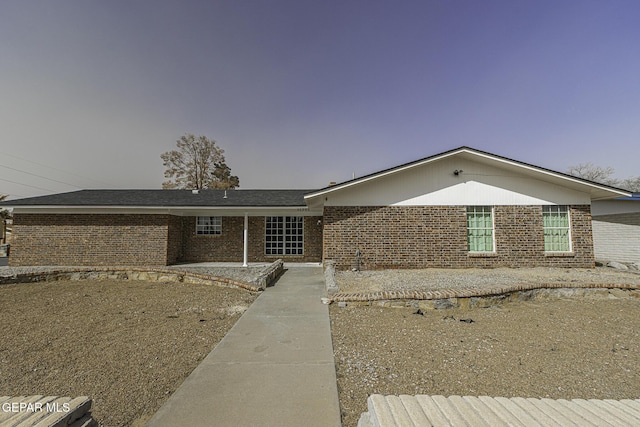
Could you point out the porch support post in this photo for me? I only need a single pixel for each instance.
(246, 240)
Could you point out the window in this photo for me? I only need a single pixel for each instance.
(557, 235)
(480, 228)
(209, 225)
(284, 235)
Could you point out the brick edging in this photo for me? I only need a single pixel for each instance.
(467, 293)
(152, 274)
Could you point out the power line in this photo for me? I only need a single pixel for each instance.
(27, 185)
(40, 176)
(58, 170)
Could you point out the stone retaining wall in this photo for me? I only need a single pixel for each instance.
(330, 277)
(270, 274)
(103, 273)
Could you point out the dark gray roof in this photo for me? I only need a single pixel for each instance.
(167, 198)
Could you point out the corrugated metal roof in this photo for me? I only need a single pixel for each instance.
(454, 411)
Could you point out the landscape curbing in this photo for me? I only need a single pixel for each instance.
(470, 298)
(266, 277)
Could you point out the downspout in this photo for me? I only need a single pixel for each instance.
(246, 240)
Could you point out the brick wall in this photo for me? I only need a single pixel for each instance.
(228, 246)
(174, 243)
(54, 239)
(436, 236)
(617, 237)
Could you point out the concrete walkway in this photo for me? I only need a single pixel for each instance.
(275, 367)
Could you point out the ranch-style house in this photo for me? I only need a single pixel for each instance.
(461, 208)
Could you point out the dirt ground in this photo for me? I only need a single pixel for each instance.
(571, 348)
(126, 344)
(129, 345)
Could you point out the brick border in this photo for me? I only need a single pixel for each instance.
(450, 298)
(470, 293)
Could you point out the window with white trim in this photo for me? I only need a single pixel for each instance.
(209, 225)
(480, 229)
(284, 235)
(557, 229)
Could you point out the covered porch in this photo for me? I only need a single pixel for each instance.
(245, 236)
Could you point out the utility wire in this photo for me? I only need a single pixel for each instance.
(27, 185)
(40, 176)
(58, 170)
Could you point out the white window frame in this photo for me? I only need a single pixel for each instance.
(493, 229)
(208, 225)
(568, 228)
(291, 239)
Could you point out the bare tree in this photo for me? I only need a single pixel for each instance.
(198, 163)
(631, 184)
(604, 176)
(594, 173)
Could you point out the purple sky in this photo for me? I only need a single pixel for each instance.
(300, 93)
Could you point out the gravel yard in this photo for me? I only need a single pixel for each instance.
(572, 348)
(561, 348)
(126, 344)
(129, 344)
(439, 278)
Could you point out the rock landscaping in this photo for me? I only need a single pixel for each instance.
(564, 334)
(586, 348)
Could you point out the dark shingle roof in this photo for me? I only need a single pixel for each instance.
(167, 198)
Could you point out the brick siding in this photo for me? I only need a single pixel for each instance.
(83, 239)
(104, 239)
(174, 244)
(436, 236)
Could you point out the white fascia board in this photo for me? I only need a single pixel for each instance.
(553, 174)
(177, 210)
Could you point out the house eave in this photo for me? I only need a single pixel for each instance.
(171, 210)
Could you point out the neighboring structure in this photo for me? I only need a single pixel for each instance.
(616, 229)
(461, 208)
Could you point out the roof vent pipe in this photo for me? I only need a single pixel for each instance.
(225, 194)
(195, 191)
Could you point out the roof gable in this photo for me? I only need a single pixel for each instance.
(511, 169)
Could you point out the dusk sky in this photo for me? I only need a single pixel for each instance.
(299, 93)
